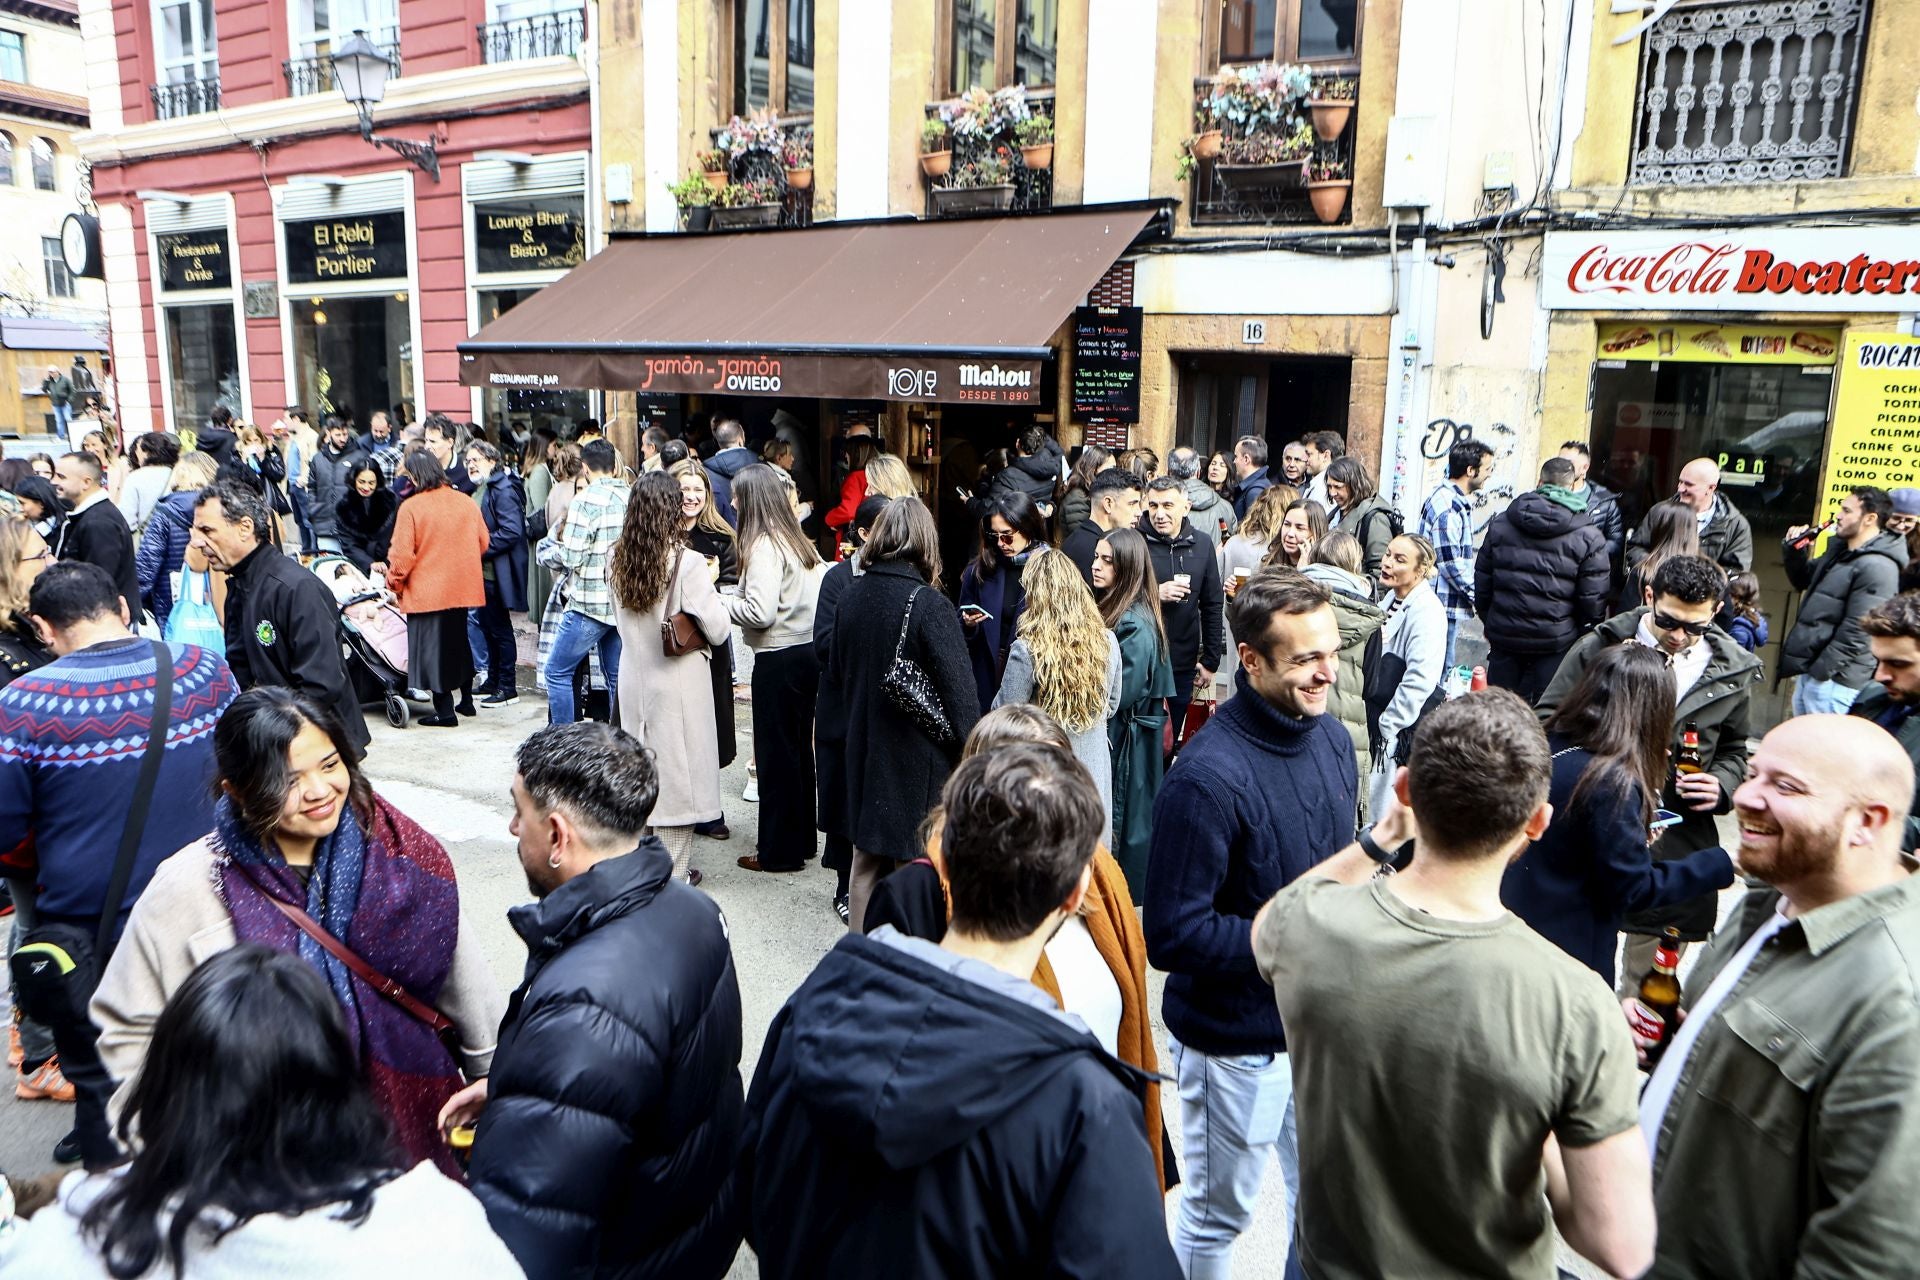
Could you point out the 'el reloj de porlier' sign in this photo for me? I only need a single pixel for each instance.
(345, 250)
(194, 260)
(1855, 268)
(1106, 364)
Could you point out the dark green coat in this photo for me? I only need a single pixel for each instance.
(1718, 705)
(1873, 700)
(1134, 734)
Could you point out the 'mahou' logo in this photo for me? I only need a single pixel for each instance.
(992, 375)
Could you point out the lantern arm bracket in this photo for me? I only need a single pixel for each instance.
(422, 154)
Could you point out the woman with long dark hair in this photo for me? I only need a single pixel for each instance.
(41, 505)
(1076, 500)
(1129, 596)
(991, 597)
(898, 760)
(779, 584)
(434, 569)
(666, 701)
(298, 825)
(1359, 510)
(256, 1143)
(1672, 530)
(708, 533)
(365, 515)
(1594, 866)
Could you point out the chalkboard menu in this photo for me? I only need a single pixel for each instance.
(1106, 364)
(533, 234)
(345, 250)
(194, 260)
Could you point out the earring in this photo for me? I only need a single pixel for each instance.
(553, 860)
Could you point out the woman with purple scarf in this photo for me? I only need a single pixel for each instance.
(297, 829)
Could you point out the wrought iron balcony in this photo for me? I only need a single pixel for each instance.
(314, 73)
(185, 98)
(1231, 182)
(1748, 92)
(546, 35)
(769, 170)
(1032, 185)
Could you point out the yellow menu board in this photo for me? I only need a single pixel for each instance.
(1875, 436)
(1692, 342)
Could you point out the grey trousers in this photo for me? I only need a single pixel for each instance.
(35, 1040)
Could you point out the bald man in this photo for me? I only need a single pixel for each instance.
(1725, 536)
(1784, 1117)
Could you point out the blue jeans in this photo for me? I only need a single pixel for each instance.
(1822, 697)
(1235, 1113)
(302, 519)
(1453, 633)
(477, 644)
(62, 415)
(579, 634)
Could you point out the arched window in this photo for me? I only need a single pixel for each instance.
(42, 165)
(6, 158)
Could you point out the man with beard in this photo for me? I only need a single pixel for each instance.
(1893, 634)
(1784, 1116)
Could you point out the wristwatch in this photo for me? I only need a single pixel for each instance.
(1371, 847)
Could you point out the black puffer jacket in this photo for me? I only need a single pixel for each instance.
(1540, 579)
(1603, 508)
(1196, 626)
(613, 1114)
(1826, 642)
(1036, 475)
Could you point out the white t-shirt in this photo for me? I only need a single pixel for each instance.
(1688, 665)
(1087, 988)
(1658, 1094)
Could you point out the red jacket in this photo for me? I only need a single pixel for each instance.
(434, 561)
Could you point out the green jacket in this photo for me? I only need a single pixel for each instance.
(1134, 733)
(58, 388)
(1873, 700)
(1718, 705)
(1359, 619)
(1792, 1145)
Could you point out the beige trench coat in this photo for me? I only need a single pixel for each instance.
(667, 703)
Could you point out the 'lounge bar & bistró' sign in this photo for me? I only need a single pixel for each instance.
(543, 234)
(346, 250)
(1855, 268)
(941, 380)
(194, 260)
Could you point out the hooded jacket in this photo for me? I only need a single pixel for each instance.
(613, 1113)
(1603, 508)
(1371, 523)
(1196, 626)
(1826, 642)
(1360, 619)
(1541, 577)
(1210, 512)
(1036, 475)
(721, 469)
(909, 1119)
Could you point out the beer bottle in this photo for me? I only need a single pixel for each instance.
(1689, 760)
(1660, 992)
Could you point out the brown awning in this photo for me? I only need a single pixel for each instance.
(956, 310)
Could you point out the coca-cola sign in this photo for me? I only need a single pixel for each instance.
(1868, 268)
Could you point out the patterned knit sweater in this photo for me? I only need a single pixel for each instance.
(71, 737)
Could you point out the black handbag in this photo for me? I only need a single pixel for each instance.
(536, 524)
(909, 688)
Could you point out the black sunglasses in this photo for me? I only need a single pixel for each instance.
(1666, 623)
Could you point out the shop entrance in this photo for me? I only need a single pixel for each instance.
(1765, 424)
(515, 414)
(353, 355)
(1223, 398)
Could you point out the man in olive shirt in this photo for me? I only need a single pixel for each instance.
(1784, 1117)
(1455, 1075)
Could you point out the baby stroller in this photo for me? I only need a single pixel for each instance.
(373, 636)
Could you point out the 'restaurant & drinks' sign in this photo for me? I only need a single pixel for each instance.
(1856, 268)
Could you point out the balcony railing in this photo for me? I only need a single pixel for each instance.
(1748, 92)
(1223, 192)
(1032, 188)
(796, 203)
(547, 35)
(314, 73)
(185, 98)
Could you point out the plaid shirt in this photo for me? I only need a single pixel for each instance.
(387, 457)
(1447, 522)
(585, 546)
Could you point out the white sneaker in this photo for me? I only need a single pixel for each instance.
(751, 792)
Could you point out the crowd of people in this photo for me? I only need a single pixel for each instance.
(1203, 720)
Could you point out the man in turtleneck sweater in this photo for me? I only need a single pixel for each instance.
(1266, 792)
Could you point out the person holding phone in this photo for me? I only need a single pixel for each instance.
(991, 596)
(1577, 883)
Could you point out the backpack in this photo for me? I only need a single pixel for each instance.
(1396, 523)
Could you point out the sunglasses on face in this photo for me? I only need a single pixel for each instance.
(1005, 538)
(1666, 623)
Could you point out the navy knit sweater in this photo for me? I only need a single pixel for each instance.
(1255, 800)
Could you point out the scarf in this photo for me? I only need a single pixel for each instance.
(1568, 498)
(386, 891)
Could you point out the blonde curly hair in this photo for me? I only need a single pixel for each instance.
(1063, 630)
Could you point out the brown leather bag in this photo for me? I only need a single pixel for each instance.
(679, 633)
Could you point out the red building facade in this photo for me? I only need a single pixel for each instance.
(261, 253)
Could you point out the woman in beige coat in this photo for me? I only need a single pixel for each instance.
(667, 702)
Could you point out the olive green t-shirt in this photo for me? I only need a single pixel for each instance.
(1431, 1059)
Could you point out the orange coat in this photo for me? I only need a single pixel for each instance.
(434, 560)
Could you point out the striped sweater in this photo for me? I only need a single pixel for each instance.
(71, 737)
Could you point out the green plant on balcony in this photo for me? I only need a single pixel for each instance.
(1328, 182)
(713, 168)
(757, 131)
(936, 145)
(1207, 138)
(694, 197)
(988, 171)
(1271, 147)
(985, 183)
(980, 116)
(1257, 97)
(1331, 105)
(751, 194)
(796, 154)
(1034, 137)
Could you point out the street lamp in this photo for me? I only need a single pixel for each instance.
(361, 71)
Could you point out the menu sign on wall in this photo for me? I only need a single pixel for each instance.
(194, 260)
(530, 235)
(1106, 364)
(347, 250)
(1875, 437)
(1854, 268)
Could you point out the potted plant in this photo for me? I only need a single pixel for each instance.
(1332, 105)
(1273, 158)
(758, 131)
(1328, 182)
(1206, 141)
(796, 153)
(713, 167)
(1257, 97)
(695, 199)
(988, 118)
(936, 148)
(977, 185)
(1034, 136)
(755, 203)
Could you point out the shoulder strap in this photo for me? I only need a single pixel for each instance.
(436, 1021)
(900, 646)
(142, 799)
(673, 578)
